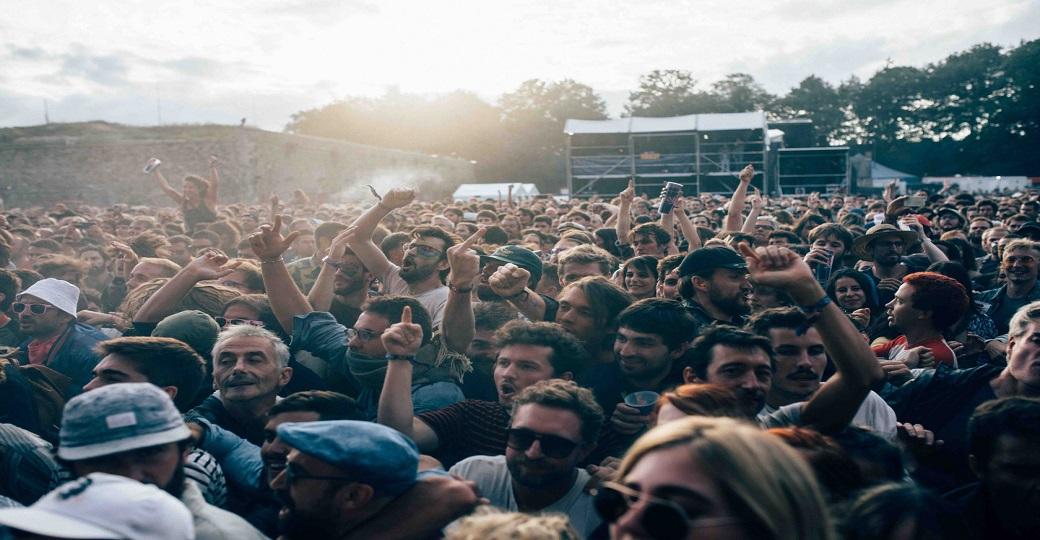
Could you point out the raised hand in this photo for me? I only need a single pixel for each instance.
(629, 193)
(747, 173)
(403, 338)
(911, 222)
(861, 316)
(464, 262)
(268, 243)
(211, 266)
(775, 266)
(338, 247)
(398, 198)
(509, 280)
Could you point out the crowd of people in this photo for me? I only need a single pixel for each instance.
(740, 366)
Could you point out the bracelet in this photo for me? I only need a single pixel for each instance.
(409, 358)
(812, 314)
(459, 290)
(270, 261)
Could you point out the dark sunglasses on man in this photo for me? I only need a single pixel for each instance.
(552, 446)
(660, 518)
(35, 309)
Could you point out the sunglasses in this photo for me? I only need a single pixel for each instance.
(344, 268)
(363, 335)
(224, 323)
(35, 309)
(424, 251)
(293, 473)
(553, 446)
(660, 517)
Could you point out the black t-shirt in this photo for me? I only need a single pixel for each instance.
(344, 314)
(9, 334)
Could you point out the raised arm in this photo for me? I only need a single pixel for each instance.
(167, 189)
(457, 327)
(320, 297)
(402, 341)
(930, 249)
(624, 215)
(213, 184)
(836, 402)
(756, 210)
(510, 282)
(286, 300)
(735, 210)
(366, 250)
(164, 302)
(689, 230)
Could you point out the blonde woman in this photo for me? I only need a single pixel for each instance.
(702, 477)
(490, 524)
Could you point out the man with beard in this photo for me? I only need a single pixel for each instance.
(251, 469)
(744, 362)
(1019, 264)
(250, 367)
(134, 430)
(652, 336)
(800, 359)
(715, 287)
(305, 270)
(47, 316)
(950, 219)
(884, 245)
(425, 262)
(340, 476)
(976, 229)
(342, 285)
(97, 277)
(553, 427)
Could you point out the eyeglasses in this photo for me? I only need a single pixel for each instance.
(224, 323)
(553, 446)
(362, 334)
(35, 309)
(660, 517)
(344, 268)
(424, 251)
(293, 473)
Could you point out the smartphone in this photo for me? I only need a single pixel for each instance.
(914, 201)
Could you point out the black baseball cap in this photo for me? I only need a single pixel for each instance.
(520, 256)
(704, 261)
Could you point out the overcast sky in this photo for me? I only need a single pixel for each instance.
(265, 59)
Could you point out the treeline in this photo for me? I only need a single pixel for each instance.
(974, 112)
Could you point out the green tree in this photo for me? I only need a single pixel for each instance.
(670, 92)
(818, 100)
(890, 104)
(739, 92)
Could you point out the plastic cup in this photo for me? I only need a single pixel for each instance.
(643, 401)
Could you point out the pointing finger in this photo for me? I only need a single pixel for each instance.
(406, 315)
(472, 239)
(277, 227)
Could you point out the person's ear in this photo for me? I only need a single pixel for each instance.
(285, 376)
(689, 377)
(567, 376)
(699, 283)
(170, 391)
(353, 496)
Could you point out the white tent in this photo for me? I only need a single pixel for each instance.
(494, 191)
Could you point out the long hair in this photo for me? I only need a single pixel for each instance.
(767, 484)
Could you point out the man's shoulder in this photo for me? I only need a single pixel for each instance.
(474, 466)
(212, 522)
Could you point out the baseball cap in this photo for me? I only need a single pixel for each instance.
(60, 294)
(520, 256)
(370, 453)
(104, 506)
(193, 327)
(705, 260)
(118, 418)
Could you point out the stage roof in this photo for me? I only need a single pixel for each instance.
(692, 122)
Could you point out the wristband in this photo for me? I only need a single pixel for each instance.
(270, 261)
(812, 314)
(459, 290)
(517, 297)
(410, 358)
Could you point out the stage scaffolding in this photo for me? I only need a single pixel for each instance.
(703, 152)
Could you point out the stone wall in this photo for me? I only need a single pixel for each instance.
(101, 164)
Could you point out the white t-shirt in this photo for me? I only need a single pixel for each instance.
(433, 300)
(492, 477)
(873, 414)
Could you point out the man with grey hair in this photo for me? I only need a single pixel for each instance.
(250, 367)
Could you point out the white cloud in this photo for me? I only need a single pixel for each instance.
(265, 59)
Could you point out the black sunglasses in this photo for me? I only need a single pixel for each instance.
(553, 446)
(35, 309)
(660, 517)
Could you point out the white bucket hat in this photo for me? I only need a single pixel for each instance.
(60, 294)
